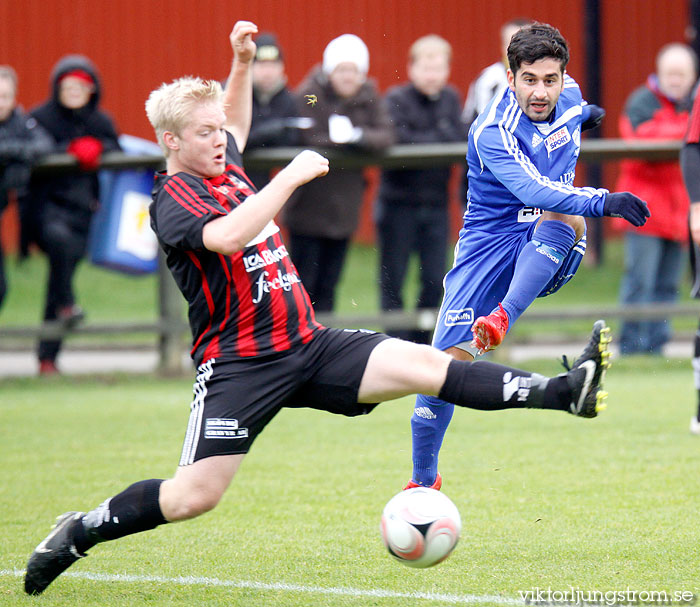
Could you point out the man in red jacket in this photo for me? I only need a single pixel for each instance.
(654, 256)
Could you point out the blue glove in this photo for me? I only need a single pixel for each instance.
(592, 116)
(627, 206)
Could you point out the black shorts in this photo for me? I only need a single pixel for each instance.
(235, 399)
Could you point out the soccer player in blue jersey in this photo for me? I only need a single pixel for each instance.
(523, 234)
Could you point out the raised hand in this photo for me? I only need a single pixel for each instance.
(241, 39)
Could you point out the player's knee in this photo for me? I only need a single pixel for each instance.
(428, 355)
(431, 366)
(579, 226)
(204, 502)
(577, 223)
(197, 504)
(182, 503)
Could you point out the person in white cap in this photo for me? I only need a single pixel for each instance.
(348, 114)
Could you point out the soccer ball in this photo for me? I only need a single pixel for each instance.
(420, 527)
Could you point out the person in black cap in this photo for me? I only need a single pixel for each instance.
(276, 121)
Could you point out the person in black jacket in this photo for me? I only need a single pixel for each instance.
(58, 209)
(22, 141)
(411, 211)
(276, 120)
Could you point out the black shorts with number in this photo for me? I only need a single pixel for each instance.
(235, 399)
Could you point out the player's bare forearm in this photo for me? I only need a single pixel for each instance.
(232, 232)
(238, 95)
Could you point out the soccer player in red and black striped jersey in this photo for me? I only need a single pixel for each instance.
(256, 343)
(690, 163)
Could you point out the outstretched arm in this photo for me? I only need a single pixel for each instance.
(500, 151)
(231, 233)
(238, 96)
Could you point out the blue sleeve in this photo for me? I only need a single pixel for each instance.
(501, 153)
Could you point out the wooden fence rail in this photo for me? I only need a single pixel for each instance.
(171, 327)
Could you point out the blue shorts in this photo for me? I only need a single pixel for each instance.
(480, 277)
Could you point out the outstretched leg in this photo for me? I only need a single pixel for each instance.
(194, 490)
(396, 368)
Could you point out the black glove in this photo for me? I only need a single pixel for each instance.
(627, 206)
(595, 117)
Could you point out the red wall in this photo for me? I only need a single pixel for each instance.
(137, 44)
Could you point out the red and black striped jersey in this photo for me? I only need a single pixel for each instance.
(251, 303)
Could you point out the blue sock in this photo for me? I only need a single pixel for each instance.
(429, 422)
(537, 263)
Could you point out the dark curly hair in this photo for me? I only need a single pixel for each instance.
(534, 42)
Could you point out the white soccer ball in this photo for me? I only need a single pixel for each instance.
(420, 527)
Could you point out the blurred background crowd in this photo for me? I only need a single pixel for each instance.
(356, 78)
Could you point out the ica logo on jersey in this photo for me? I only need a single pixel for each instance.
(264, 258)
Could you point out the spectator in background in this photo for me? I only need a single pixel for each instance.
(276, 120)
(492, 80)
(654, 253)
(690, 163)
(22, 140)
(412, 209)
(349, 115)
(60, 206)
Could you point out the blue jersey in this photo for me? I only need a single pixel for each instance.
(518, 168)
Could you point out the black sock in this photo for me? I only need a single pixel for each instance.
(489, 386)
(133, 510)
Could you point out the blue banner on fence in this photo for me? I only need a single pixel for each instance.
(121, 237)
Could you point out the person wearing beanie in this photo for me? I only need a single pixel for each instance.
(276, 121)
(57, 211)
(346, 48)
(350, 115)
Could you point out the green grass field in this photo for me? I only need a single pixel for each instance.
(547, 500)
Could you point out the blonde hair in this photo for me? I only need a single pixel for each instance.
(169, 106)
(431, 44)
